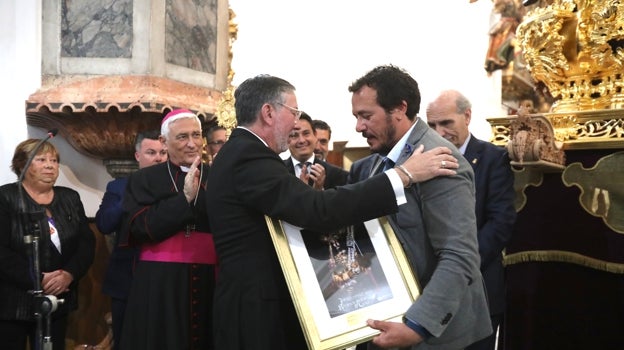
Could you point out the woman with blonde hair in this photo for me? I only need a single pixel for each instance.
(35, 206)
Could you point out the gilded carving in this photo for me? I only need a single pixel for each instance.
(603, 128)
(575, 48)
(564, 127)
(574, 130)
(226, 113)
(500, 134)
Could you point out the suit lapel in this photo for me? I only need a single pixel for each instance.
(289, 164)
(310, 181)
(377, 164)
(412, 141)
(473, 152)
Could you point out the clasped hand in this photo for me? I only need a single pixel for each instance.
(427, 165)
(316, 173)
(191, 181)
(56, 282)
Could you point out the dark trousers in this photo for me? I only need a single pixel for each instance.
(118, 310)
(13, 334)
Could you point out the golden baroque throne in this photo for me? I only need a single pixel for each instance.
(574, 49)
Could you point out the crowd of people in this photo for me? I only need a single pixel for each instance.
(193, 264)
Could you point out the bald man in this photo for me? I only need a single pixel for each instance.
(450, 114)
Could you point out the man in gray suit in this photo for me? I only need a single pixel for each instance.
(437, 227)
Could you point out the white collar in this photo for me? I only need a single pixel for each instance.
(295, 162)
(463, 147)
(395, 152)
(253, 133)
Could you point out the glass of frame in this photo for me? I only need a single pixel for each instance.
(340, 279)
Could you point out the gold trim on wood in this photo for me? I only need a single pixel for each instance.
(600, 129)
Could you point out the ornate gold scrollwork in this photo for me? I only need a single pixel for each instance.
(226, 113)
(564, 127)
(572, 130)
(575, 48)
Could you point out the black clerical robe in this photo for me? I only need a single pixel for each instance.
(170, 302)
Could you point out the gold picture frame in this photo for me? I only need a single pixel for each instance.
(332, 303)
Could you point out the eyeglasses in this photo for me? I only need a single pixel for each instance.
(294, 111)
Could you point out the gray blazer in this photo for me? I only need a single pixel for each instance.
(438, 231)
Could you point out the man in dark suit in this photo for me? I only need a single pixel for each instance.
(118, 279)
(323, 136)
(437, 227)
(248, 180)
(303, 163)
(450, 114)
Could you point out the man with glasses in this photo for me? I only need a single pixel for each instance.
(248, 180)
(295, 112)
(215, 137)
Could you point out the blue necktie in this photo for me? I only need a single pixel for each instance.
(384, 165)
(388, 164)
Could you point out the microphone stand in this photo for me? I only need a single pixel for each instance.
(43, 305)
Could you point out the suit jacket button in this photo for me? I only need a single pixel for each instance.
(446, 319)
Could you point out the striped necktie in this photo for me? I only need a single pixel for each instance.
(305, 167)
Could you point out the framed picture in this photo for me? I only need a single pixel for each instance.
(340, 279)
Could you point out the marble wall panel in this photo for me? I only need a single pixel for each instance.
(96, 28)
(191, 34)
